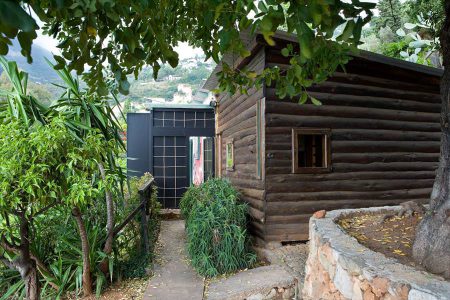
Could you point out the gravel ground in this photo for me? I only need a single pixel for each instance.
(130, 289)
(293, 259)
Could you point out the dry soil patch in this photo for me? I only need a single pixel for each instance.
(393, 237)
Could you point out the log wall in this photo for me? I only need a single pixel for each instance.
(385, 136)
(236, 119)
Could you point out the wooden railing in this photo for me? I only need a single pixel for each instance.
(145, 194)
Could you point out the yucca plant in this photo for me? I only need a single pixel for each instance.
(11, 284)
(17, 103)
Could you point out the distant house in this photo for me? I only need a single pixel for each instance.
(183, 94)
(373, 142)
(172, 78)
(203, 96)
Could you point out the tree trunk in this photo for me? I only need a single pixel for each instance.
(432, 243)
(24, 264)
(107, 249)
(32, 283)
(87, 280)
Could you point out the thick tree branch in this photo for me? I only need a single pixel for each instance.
(107, 249)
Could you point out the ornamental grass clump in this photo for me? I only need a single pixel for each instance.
(216, 228)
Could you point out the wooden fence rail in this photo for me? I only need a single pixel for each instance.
(145, 194)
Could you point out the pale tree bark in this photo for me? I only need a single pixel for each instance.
(27, 263)
(107, 249)
(86, 277)
(431, 247)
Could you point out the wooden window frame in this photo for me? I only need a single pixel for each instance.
(229, 168)
(218, 158)
(327, 150)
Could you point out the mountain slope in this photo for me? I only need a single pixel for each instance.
(39, 71)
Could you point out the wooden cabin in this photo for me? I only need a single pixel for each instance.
(373, 142)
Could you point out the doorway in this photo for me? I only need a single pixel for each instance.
(201, 160)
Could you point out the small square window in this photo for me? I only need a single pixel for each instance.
(311, 150)
(229, 155)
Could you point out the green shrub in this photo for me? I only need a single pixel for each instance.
(189, 198)
(216, 228)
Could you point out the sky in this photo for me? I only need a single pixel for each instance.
(183, 49)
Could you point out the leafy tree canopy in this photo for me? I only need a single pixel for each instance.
(430, 10)
(110, 39)
(391, 15)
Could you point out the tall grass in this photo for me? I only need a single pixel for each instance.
(216, 228)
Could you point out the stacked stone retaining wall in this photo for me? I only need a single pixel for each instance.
(338, 267)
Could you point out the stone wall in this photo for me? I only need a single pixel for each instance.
(338, 267)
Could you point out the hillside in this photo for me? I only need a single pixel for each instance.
(172, 82)
(39, 71)
(190, 73)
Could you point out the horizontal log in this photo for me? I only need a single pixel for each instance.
(256, 214)
(347, 195)
(350, 112)
(296, 178)
(367, 80)
(385, 146)
(388, 167)
(288, 219)
(284, 157)
(287, 232)
(244, 124)
(278, 120)
(240, 106)
(387, 157)
(279, 134)
(350, 185)
(245, 158)
(375, 167)
(383, 135)
(366, 101)
(237, 135)
(239, 117)
(255, 203)
(363, 79)
(241, 182)
(363, 90)
(254, 193)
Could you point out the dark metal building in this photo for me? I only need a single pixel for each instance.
(160, 142)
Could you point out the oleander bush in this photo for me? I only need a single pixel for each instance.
(216, 222)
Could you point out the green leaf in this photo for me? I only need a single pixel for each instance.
(410, 26)
(401, 32)
(12, 14)
(348, 31)
(266, 24)
(285, 52)
(315, 101)
(303, 98)
(3, 48)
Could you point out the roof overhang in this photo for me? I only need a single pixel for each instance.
(256, 42)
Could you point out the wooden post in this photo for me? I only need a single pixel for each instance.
(144, 224)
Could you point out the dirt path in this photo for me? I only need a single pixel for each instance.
(174, 278)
